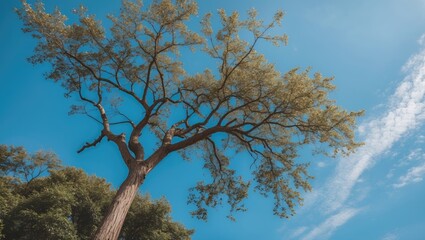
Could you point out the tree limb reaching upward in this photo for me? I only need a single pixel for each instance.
(134, 77)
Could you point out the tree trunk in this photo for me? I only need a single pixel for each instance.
(111, 224)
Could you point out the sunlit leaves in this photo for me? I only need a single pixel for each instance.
(15, 162)
(240, 103)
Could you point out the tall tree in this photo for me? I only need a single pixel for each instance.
(66, 203)
(133, 76)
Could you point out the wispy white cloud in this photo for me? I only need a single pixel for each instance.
(413, 175)
(390, 236)
(326, 229)
(299, 231)
(405, 112)
(421, 138)
(415, 154)
(321, 164)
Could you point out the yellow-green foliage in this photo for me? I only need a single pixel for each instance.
(242, 102)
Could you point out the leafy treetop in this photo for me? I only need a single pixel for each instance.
(132, 77)
(66, 203)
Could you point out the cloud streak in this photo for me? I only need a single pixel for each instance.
(405, 112)
(326, 229)
(413, 175)
(299, 231)
(390, 236)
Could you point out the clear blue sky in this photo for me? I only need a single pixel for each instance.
(376, 53)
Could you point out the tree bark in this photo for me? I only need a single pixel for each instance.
(111, 224)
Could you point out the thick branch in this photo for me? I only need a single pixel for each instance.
(196, 138)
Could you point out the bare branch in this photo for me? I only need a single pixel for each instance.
(92, 144)
(215, 153)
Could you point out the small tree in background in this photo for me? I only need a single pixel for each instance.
(133, 76)
(65, 203)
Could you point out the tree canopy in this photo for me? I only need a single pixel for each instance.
(131, 79)
(66, 203)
